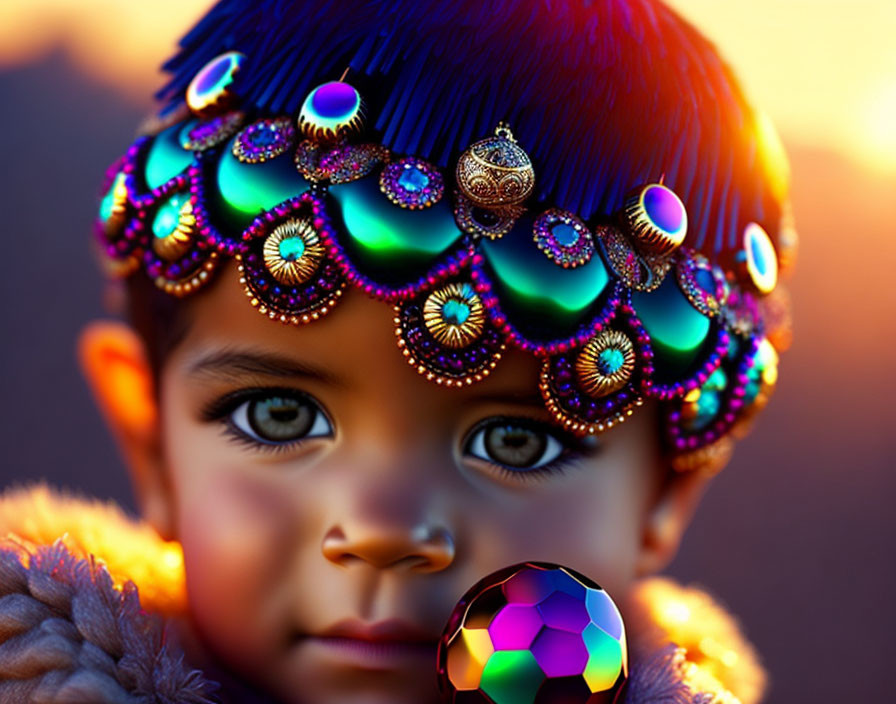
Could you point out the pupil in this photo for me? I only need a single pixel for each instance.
(515, 446)
(280, 419)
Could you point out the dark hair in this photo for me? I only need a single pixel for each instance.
(161, 320)
(604, 95)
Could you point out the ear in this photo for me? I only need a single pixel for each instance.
(668, 518)
(114, 362)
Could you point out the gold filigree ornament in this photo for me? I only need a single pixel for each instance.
(496, 173)
(641, 272)
(606, 363)
(454, 315)
(177, 242)
(293, 251)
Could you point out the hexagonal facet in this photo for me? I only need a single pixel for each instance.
(512, 677)
(528, 587)
(515, 627)
(467, 656)
(565, 612)
(603, 612)
(605, 659)
(560, 653)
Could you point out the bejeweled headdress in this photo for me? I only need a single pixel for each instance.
(373, 181)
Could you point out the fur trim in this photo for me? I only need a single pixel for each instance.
(68, 635)
(716, 659)
(130, 550)
(72, 632)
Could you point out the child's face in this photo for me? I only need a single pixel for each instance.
(370, 495)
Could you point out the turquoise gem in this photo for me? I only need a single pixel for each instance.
(537, 285)
(677, 330)
(108, 200)
(291, 248)
(455, 312)
(389, 238)
(413, 179)
(167, 158)
(751, 391)
(753, 385)
(708, 405)
(249, 189)
(717, 381)
(610, 361)
(565, 235)
(759, 255)
(168, 215)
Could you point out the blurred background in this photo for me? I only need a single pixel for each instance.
(796, 536)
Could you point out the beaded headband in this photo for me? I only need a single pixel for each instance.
(617, 310)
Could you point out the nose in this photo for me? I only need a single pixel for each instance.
(421, 548)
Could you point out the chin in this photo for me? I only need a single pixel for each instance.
(311, 679)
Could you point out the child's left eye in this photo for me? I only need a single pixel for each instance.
(520, 447)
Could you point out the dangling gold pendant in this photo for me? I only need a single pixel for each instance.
(496, 173)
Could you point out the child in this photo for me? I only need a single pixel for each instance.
(516, 270)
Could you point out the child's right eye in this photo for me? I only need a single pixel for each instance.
(274, 418)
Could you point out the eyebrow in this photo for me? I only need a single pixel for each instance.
(233, 364)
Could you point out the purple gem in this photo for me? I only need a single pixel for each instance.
(211, 75)
(663, 208)
(334, 100)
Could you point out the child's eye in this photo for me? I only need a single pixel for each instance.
(273, 417)
(520, 446)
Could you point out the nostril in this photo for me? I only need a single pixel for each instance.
(421, 549)
(335, 548)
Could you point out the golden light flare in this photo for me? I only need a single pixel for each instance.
(120, 43)
(129, 549)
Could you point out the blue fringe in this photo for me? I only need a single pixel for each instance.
(604, 95)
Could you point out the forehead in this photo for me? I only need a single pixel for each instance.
(353, 347)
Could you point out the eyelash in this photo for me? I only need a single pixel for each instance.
(574, 449)
(221, 409)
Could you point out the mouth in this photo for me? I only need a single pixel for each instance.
(381, 645)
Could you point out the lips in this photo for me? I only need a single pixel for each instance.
(387, 631)
(391, 644)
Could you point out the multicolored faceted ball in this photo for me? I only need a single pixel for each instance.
(534, 633)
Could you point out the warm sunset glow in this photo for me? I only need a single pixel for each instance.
(824, 70)
(877, 141)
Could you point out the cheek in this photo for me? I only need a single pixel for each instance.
(591, 523)
(236, 525)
